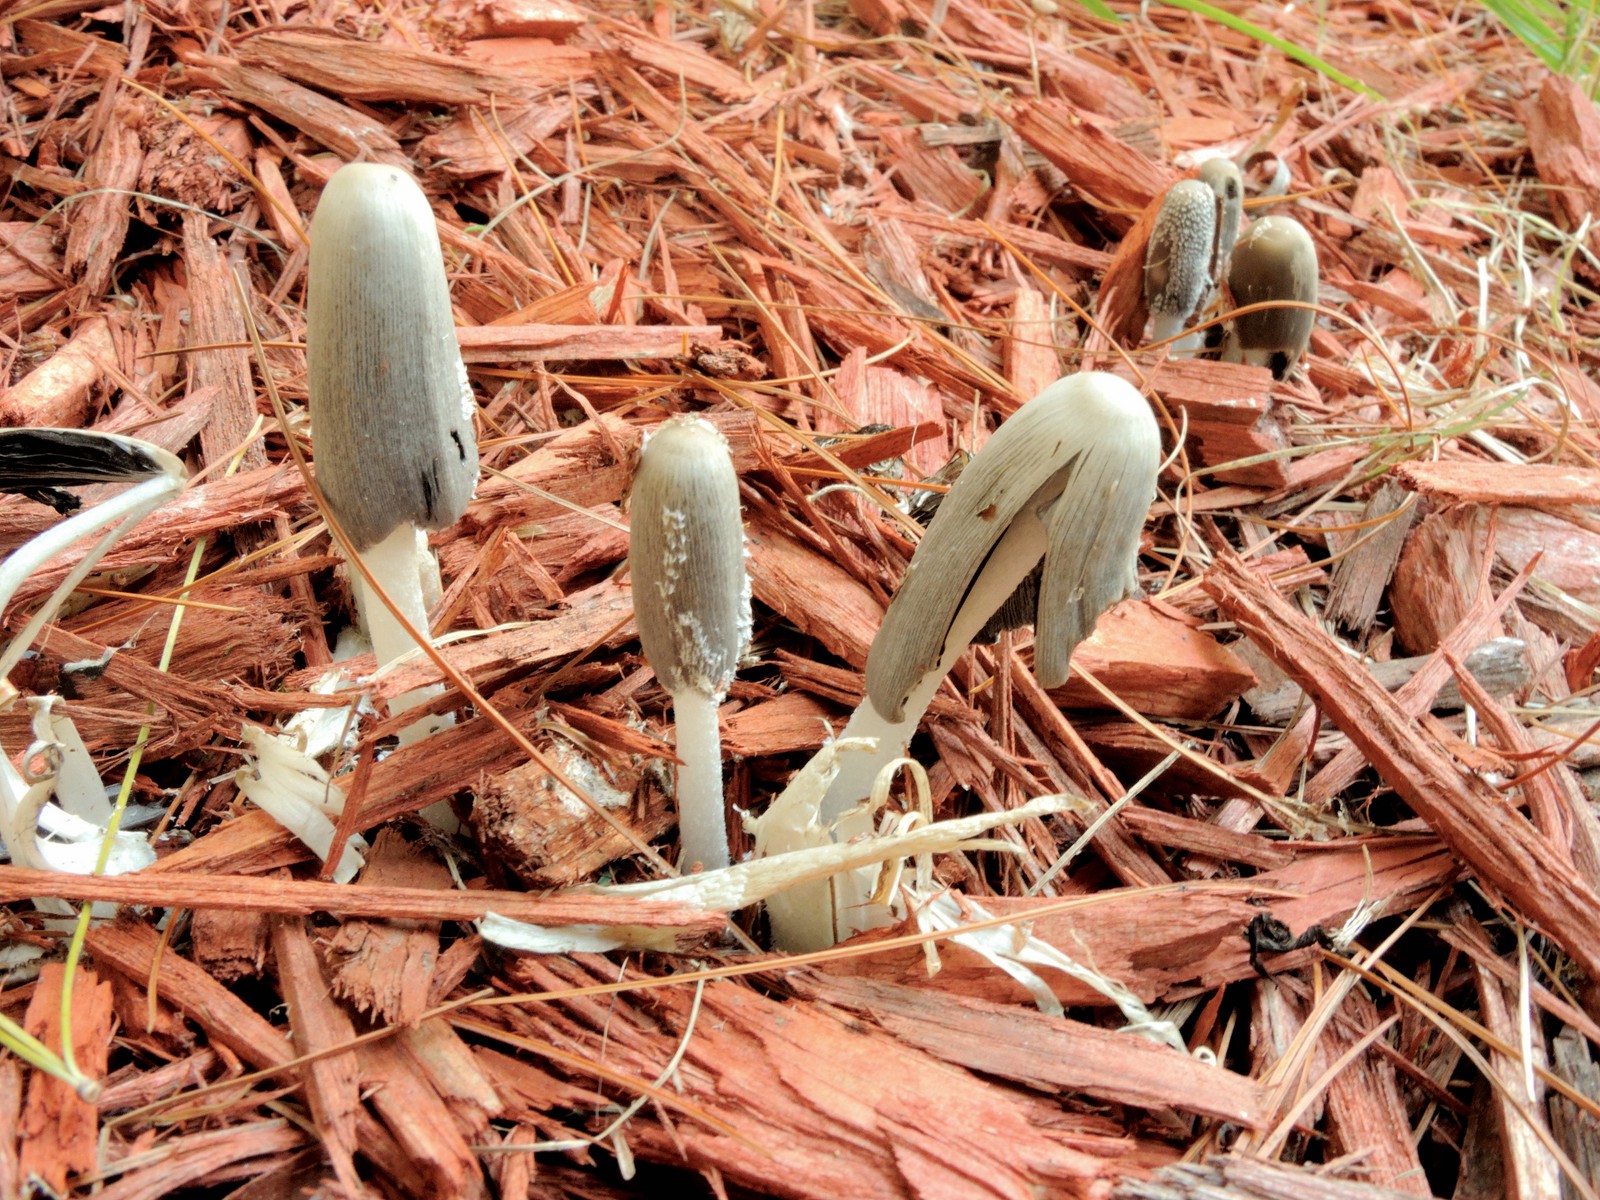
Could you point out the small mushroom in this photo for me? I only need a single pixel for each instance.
(391, 406)
(1067, 479)
(1222, 176)
(1275, 260)
(1180, 260)
(692, 606)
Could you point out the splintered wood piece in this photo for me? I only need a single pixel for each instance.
(1576, 1131)
(1046, 1052)
(250, 1148)
(1239, 1178)
(793, 721)
(1367, 1116)
(229, 942)
(318, 1024)
(365, 70)
(538, 831)
(348, 133)
(813, 592)
(1031, 361)
(1361, 576)
(383, 967)
(1121, 308)
(840, 1108)
(1231, 415)
(459, 1077)
(1531, 1171)
(100, 220)
(884, 396)
(215, 321)
(1105, 171)
(57, 1130)
(1160, 664)
(1478, 823)
(1564, 135)
(504, 344)
(419, 1119)
(553, 19)
(30, 259)
(1528, 484)
(302, 897)
(58, 392)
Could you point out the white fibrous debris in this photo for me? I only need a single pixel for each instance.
(587, 774)
(298, 793)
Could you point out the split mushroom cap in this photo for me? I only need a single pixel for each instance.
(1222, 176)
(1179, 262)
(686, 552)
(390, 402)
(1078, 462)
(1275, 260)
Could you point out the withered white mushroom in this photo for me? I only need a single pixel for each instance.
(391, 407)
(691, 600)
(1275, 260)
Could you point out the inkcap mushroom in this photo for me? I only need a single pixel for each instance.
(1180, 260)
(1275, 260)
(691, 600)
(1222, 176)
(391, 407)
(1067, 479)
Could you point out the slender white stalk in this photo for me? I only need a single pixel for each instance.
(702, 817)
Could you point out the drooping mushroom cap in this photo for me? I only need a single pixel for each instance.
(391, 408)
(1274, 260)
(1178, 263)
(1082, 455)
(691, 595)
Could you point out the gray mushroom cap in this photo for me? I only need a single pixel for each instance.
(686, 553)
(1274, 260)
(1178, 262)
(1081, 457)
(391, 407)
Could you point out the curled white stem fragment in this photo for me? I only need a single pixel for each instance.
(692, 606)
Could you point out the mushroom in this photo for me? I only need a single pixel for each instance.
(390, 403)
(1180, 261)
(1222, 176)
(1275, 260)
(692, 606)
(1069, 479)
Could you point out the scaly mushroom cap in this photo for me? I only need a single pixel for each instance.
(691, 595)
(1274, 260)
(391, 408)
(1222, 176)
(1178, 263)
(1083, 456)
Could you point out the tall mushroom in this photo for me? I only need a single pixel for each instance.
(391, 406)
(692, 605)
(1275, 261)
(1178, 263)
(1222, 176)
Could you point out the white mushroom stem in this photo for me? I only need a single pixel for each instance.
(397, 563)
(702, 821)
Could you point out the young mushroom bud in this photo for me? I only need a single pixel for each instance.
(1275, 260)
(1222, 176)
(692, 606)
(391, 407)
(1180, 260)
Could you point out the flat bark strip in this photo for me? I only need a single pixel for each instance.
(1476, 822)
(1532, 484)
(59, 1132)
(299, 897)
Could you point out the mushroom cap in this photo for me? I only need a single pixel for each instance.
(1274, 260)
(391, 407)
(691, 595)
(1222, 176)
(1083, 455)
(1179, 260)
(44, 457)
